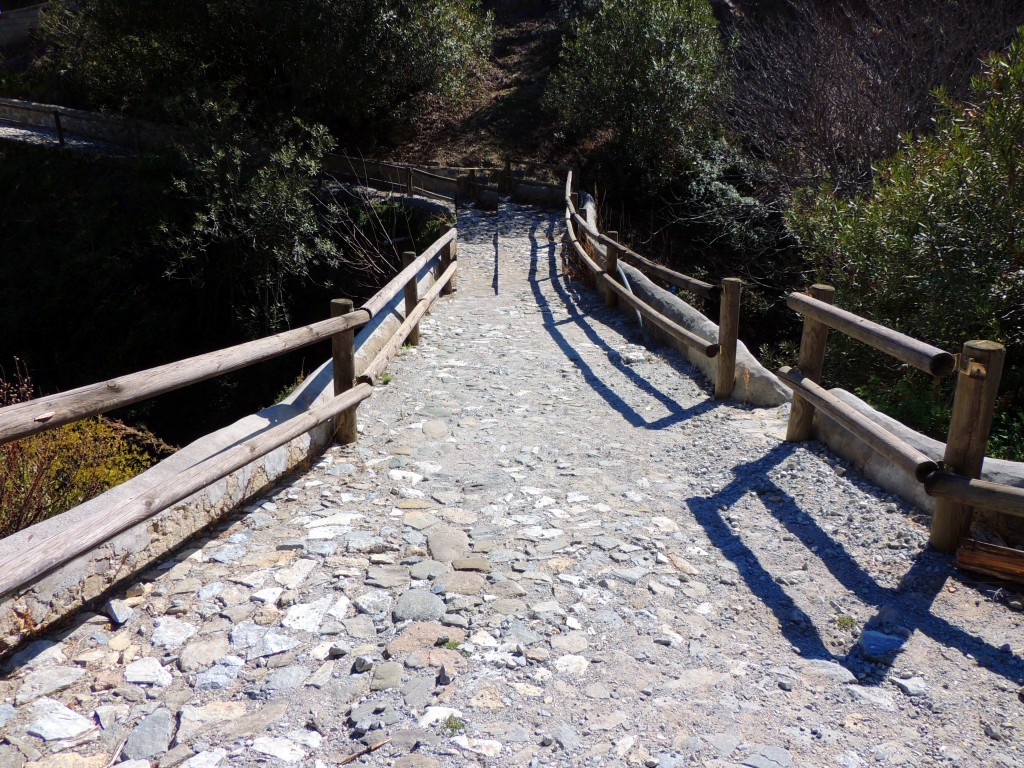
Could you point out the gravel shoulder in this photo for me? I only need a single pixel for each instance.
(550, 547)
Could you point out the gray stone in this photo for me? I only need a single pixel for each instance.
(879, 647)
(767, 756)
(227, 553)
(418, 692)
(286, 678)
(201, 653)
(435, 429)
(47, 680)
(376, 604)
(119, 612)
(7, 711)
(447, 543)
(385, 676)
(913, 686)
(38, 653)
(419, 605)
(566, 737)
(428, 569)
(387, 576)
(151, 737)
(221, 675)
(52, 721)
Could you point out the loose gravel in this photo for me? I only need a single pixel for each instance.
(550, 547)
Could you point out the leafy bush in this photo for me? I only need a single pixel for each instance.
(647, 77)
(49, 473)
(350, 64)
(936, 249)
(258, 226)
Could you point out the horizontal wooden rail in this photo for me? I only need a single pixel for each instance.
(397, 284)
(388, 352)
(924, 356)
(686, 336)
(34, 416)
(976, 493)
(653, 269)
(76, 539)
(881, 440)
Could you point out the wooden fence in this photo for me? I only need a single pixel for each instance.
(954, 482)
(584, 241)
(46, 553)
(522, 181)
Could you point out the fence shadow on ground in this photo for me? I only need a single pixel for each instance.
(544, 253)
(911, 600)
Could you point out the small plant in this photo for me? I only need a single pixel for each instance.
(452, 645)
(385, 378)
(453, 725)
(845, 622)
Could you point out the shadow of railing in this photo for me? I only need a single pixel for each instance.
(546, 254)
(911, 600)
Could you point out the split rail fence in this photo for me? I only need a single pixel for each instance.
(954, 481)
(31, 417)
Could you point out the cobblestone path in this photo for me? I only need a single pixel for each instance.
(550, 547)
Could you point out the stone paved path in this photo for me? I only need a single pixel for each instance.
(550, 547)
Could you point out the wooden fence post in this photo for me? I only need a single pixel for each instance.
(58, 127)
(508, 176)
(408, 182)
(412, 297)
(977, 384)
(728, 333)
(812, 359)
(611, 264)
(343, 352)
(450, 255)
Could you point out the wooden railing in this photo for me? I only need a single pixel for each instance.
(350, 388)
(580, 233)
(979, 366)
(954, 481)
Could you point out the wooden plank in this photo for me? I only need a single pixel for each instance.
(661, 272)
(884, 442)
(688, 337)
(397, 284)
(923, 356)
(412, 298)
(343, 358)
(991, 560)
(388, 352)
(728, 336)
(34, 416)
(980, 494)
(977, 385)
(810, 363)
(78, 538)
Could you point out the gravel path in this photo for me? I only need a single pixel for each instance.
(551, 547)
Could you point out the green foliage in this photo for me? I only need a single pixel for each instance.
(258, 226)
(936, 249)
(647, 77)
(49, 473)
(350, 64)
(453, 725)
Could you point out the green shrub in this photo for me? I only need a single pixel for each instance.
(49, 473)
(646, 78)
(350, 64)
(936, 249)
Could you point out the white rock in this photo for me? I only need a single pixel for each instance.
(208, 759)
(339, 519)
(52, 720)
(484, 747)
(307, 617)
(170, 633)
(572, 664)
(295, 574)
(147, 671)
(340, 609)
(437, 715)
(281, 748)
(268, 596)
